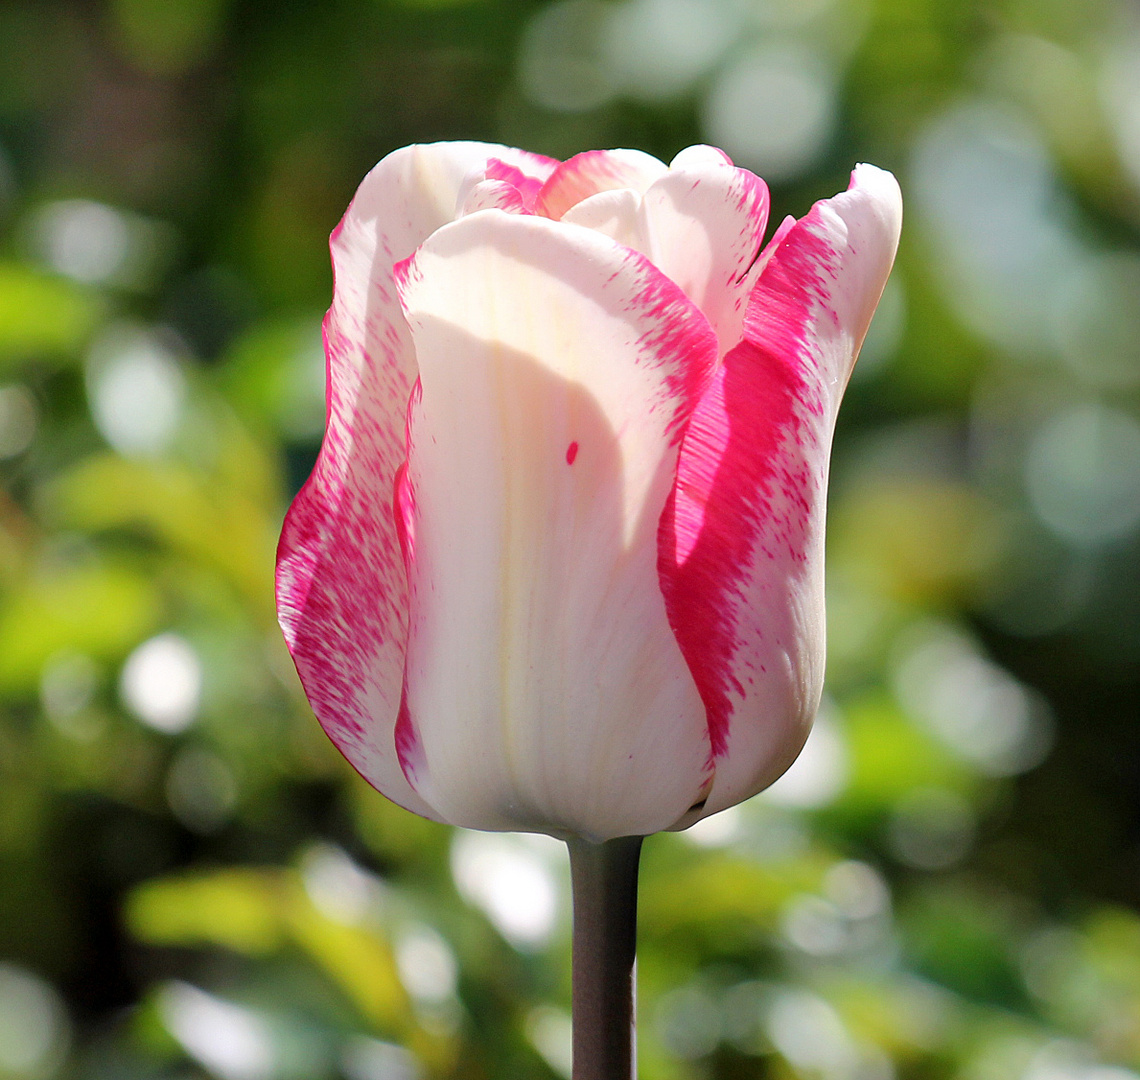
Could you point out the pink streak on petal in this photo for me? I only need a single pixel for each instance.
(757, 268)
(741, 545)
(342, 588)
(341, 592)
(527, 185)
(494, 195)
(730, 469)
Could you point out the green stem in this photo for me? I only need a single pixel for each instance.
(604, 881)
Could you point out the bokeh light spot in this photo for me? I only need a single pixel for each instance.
(201, 790)
(819, 775)
(716, 830)
(339, 888)
(33, 1024)
(560, 65)
(427, 965)
(136, 390)
(1097, 317)
(931, 829)
(511, 879)
(688, 1022)
(772, 109)
(85, 240)
(982, 182)
(810, 1034)
(551, 1033)
(18, 419)
(656, 49)
(1082, 472)
(975, 707)
(371, 1059)
(161, 683)
(232, 1042)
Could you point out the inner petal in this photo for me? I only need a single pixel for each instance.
(596, 170)
(705, 222)
(493, 195)
(616, 214)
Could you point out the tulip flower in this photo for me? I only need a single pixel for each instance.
(559, 566)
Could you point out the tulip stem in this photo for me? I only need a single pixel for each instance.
(604, 881)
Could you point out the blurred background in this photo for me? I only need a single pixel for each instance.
(193, 884)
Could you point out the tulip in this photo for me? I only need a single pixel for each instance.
(559, 566)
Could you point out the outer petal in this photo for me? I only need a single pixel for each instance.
(545, 688)
(341, 584)
(596, 170)
(742, 548)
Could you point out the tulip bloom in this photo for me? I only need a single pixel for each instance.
(559, 566)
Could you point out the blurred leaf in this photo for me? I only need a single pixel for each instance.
(41, 315)
(909, 1018)
(919, 541)
(1114, 947)
(390, 830)
(184, 509)
(237, 908)
(891, 757)
(275, 374)
(360, 962)
(100, 609)
(257, 911)
(965, 940)
(704, 891)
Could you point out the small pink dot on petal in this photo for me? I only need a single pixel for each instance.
(571, 453)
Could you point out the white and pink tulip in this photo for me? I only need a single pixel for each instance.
(559, 566)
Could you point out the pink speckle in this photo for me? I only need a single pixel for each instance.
(571, 453)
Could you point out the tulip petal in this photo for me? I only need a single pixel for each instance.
(586, 174)
(705, 222)
(341, 582)
(493, 195)
(526, 174)
(523, 171)
(701, 223)
(616, 214)
(545, 689)
(698, 156)
(742, 545)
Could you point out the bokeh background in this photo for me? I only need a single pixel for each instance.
(193, 884)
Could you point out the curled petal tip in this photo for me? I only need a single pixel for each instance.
(882, 187)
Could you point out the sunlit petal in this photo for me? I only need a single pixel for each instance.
(341, 586)
(742, 549)
(545, 686)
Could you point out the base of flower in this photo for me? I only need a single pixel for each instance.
(604, 881)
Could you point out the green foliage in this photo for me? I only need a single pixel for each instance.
(42, 316)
